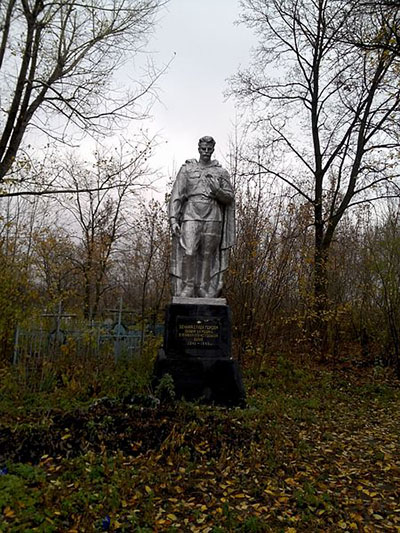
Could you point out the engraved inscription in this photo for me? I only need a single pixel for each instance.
(198, 332)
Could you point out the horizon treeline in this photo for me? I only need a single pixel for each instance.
(91, 252)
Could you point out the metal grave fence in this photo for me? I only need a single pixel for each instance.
(95, 340)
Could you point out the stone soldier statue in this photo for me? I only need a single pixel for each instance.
(201, 213)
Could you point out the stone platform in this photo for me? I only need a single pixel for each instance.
(197, 352)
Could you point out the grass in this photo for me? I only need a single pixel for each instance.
(317, 449)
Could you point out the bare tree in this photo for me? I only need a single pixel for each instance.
(153, 235)
(382, 251)
(55, 273)
(20, 221)
(381, 15)
(99, 209)
(144, 262)
(57, 58)
(325, 110)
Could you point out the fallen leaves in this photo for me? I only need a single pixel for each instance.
(314, 458)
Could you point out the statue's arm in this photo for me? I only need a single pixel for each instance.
(176, 201)
(224, 193)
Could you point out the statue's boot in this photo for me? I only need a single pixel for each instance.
(188, 276)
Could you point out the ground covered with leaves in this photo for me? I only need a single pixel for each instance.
(316, 449)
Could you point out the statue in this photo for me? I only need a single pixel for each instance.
(201, 213)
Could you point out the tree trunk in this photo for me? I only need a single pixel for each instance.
(319, 323)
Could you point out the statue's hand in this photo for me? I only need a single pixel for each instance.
(214, 183)
(217, 190)
(176, 229)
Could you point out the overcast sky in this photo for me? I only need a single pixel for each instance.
(208, 48)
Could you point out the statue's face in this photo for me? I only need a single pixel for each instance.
(206, 150)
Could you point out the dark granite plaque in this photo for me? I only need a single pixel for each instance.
(201, 332)
(197, 331)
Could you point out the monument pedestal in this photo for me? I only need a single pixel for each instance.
(197, 352)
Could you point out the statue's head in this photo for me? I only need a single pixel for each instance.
(206, 148)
